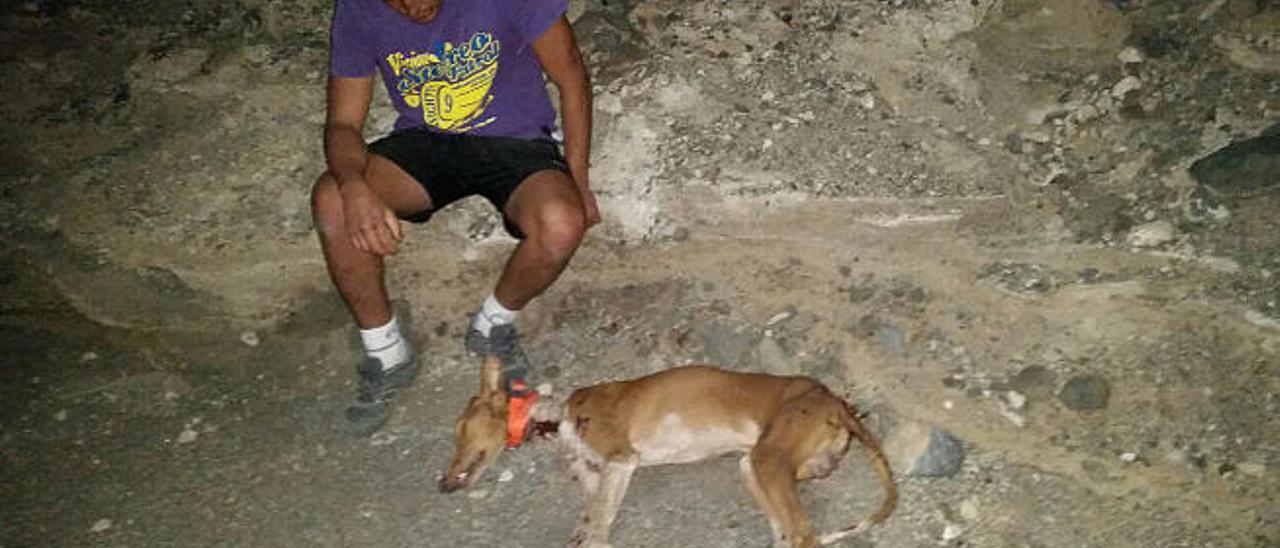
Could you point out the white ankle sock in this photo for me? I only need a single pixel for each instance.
(386, 343)
(492, 313)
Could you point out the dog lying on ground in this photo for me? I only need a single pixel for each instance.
(788, 429)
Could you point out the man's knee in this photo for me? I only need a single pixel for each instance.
(326, 204)
(559, 230)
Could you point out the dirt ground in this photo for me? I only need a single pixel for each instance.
(1044, 230)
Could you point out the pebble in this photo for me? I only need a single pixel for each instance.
(952, 532)
(1037, 137)
(1125, 86)
(1129, 457)
(1152, 234)
(1087, 113)
(1130, 55)
(250, 339)
(892, 339)
(773, 360)
(1255, 469)
(100, 526)
(60, 415)
(1009, 409)
(477, 494)
(88, 357)
(506, 476)
(969, 509)
(1085, 393)
(1016, 400)
(188, 435)
(781, 316)
(942, 457)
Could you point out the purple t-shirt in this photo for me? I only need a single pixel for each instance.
(470, 70)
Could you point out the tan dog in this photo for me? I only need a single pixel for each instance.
(790, 429)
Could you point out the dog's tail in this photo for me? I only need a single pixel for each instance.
(854, 423)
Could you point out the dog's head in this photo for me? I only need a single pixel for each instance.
(480, 433)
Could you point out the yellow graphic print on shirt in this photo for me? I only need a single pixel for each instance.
(449, 83)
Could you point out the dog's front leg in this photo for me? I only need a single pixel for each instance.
(602, 507)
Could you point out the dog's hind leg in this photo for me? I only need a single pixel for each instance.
(776, 479)
(602, 506)
(749, 479)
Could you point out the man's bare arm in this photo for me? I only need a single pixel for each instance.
(371, 225)
(561, 60)
(348, 106)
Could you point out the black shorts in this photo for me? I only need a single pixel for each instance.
(452, 166)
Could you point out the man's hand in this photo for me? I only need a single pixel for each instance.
(371, 225)
(589, 208)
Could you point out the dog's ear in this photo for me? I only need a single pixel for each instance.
(490, 375)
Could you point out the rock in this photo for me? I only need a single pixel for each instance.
(727, 345)
(1255, 469)
(1011, 405)
(1038, 137)
(1086, 114)
(1032, 379)
(1085, 393)
(921, 450)
(892, 339)
(1243, 52)
(1243, 168)
(773, 360)
(60, 416)
(187, 436)
(1099, 217)
(1210, 9)
(1125, 86)
(969, 509)
(1096, 471)
(780, 317)
(1153, 234)
(100, 526)
(506, 476)
(951, 532)
(250, 339)
(1015, 400)
(1130, 56)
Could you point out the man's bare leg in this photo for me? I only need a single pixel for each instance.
(358, 275)
(547, 208)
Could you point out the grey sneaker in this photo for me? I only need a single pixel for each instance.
(373, 405)
(504, 342)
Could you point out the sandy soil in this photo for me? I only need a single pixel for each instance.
(970, 217)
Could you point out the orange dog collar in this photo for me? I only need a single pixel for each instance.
(519, 410)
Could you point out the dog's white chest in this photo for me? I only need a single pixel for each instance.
(673, 441)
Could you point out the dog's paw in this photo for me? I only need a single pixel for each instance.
(582, 538)
(578, 539)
